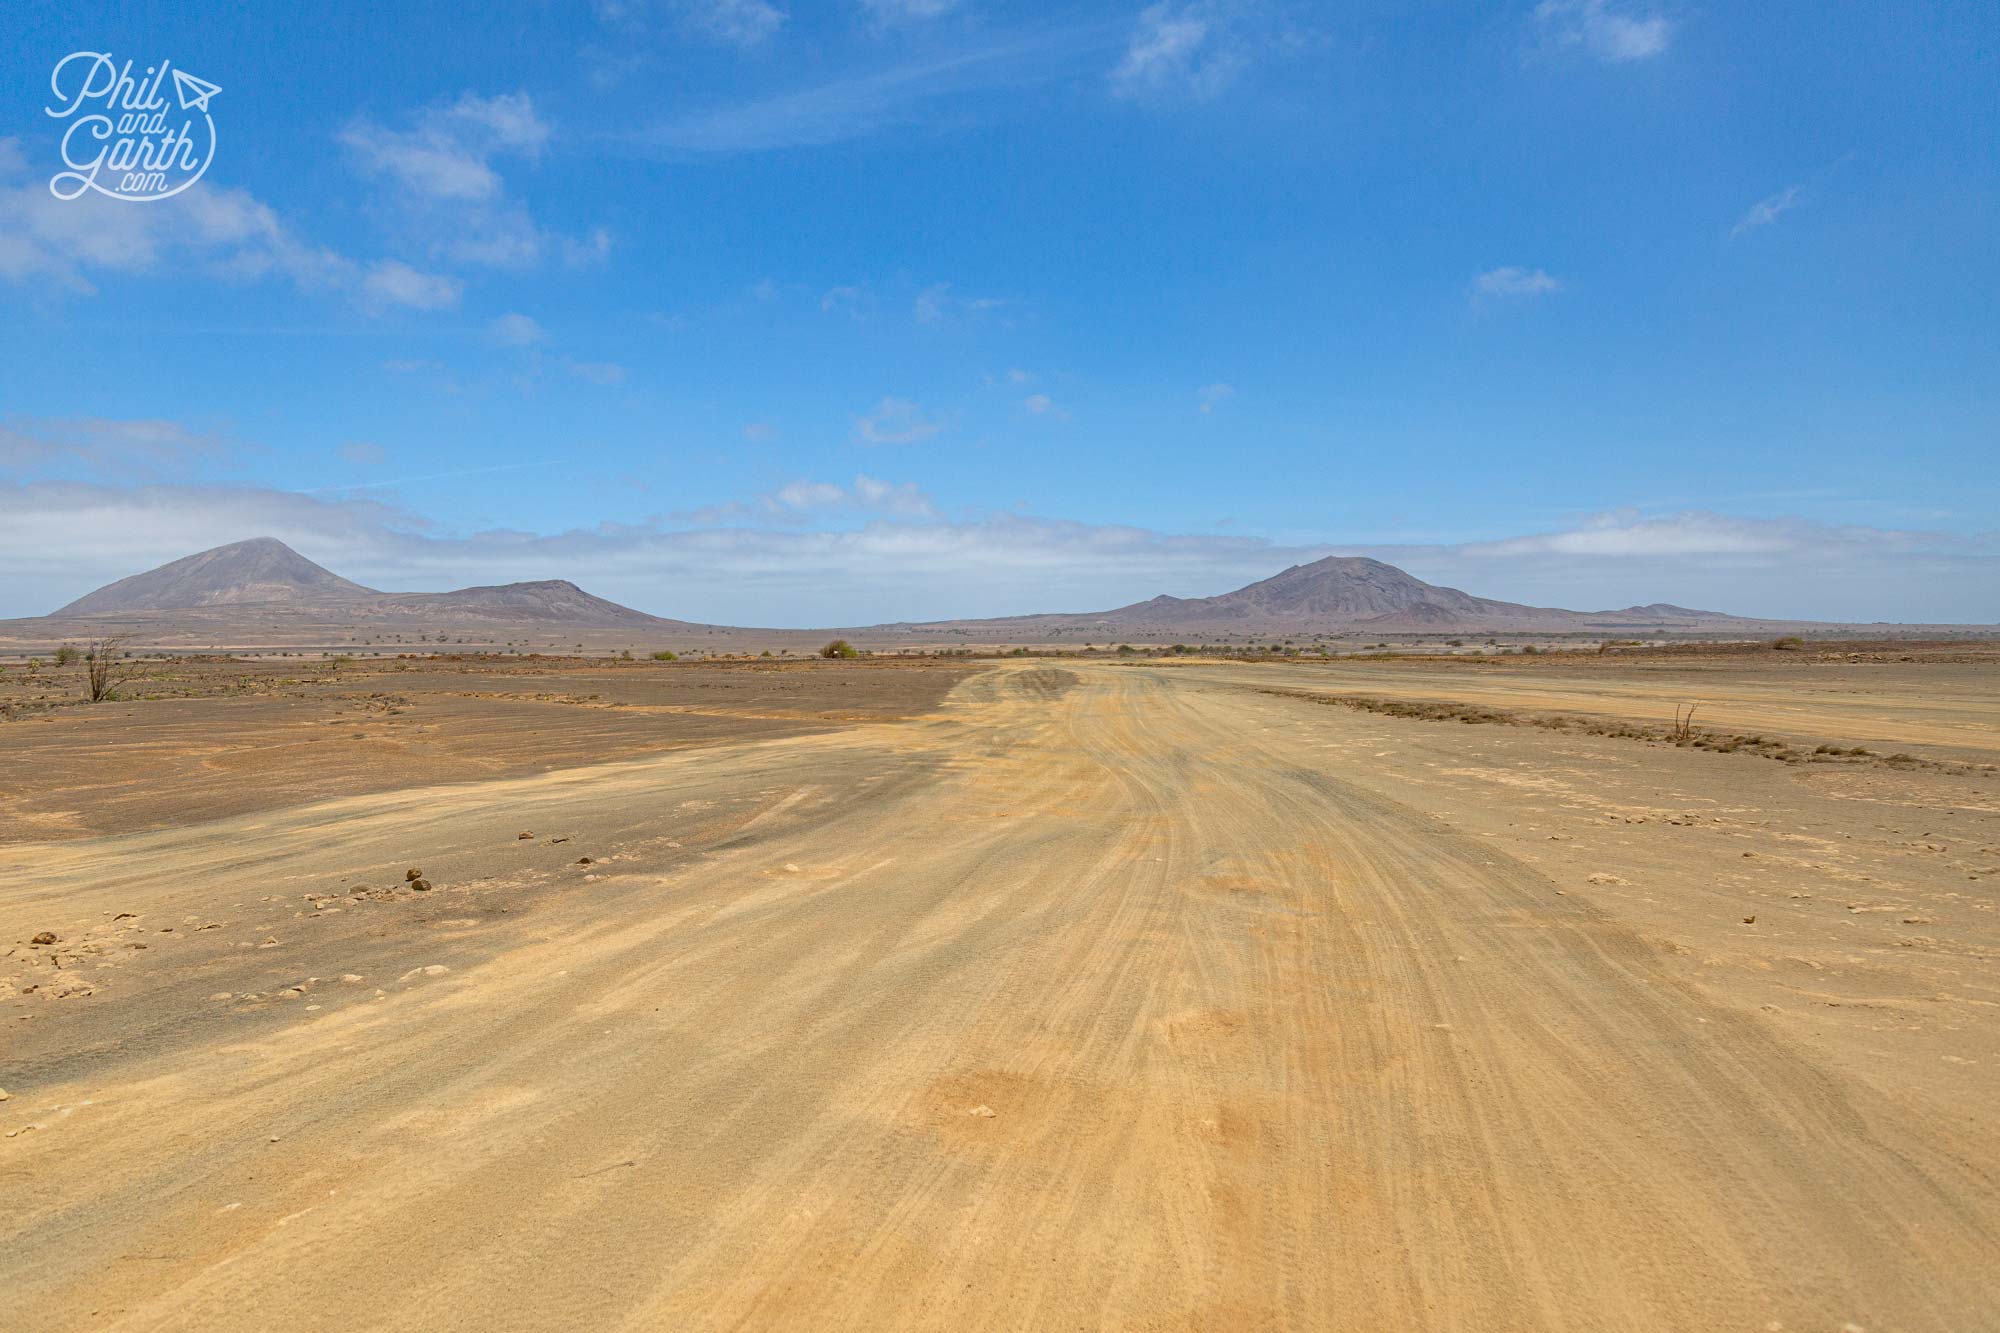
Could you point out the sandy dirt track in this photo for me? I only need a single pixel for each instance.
(1100, 997)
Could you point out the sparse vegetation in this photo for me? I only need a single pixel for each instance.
(67, 655)
(99, 681)
(669, 655)
(1790, 643)
(840, 648)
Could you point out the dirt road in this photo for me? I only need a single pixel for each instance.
(1098, 998)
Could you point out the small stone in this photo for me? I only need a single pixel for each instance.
(353, 979)
(3, 1094)
(1749, 920)
(46, 937)
(222, 995)
(524, 835)
(421, 885)
(983, 1111)
(412, 875)
(583, 860)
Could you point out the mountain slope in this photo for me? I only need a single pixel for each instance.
(1338, 593)
(551, 600)
(265, 577)
(260, 570)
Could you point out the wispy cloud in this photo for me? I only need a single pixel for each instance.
(1179, 52)
(859, 105)
(906, 11)
(895, 421)
(516, 330)
(1603, 29)
(1513, 280)
(442, 180)
(108, 446)
(1213, 396)
(1766, 211)
(733, 22)
(806, 501)
(225, 234)
(605, 374)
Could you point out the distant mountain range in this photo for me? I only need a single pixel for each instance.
(1341, 594)
(263, 578)
(262, 592)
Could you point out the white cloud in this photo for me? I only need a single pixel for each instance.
(846, 299)
(896, 421)
(1214, 395)
(906, 11)
(448, 152)
(1766, 211)
(805, 500)
(757, 432)
(1181, 52)
(443, 182)
(935, 304)
(858, 105)
(733, 22)
(226, 234)
(593, 248)
(1602, 29)
(604, 373)
(391, 282)
(1513, 280)
(106, 446)
(516, 330)
(1041, 405)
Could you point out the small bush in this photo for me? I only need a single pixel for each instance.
(1790, 643)
(666, 655)
(840, 648)
(67, 655)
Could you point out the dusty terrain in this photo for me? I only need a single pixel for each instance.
(1204, 995)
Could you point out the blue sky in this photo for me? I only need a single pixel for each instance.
(777, 313)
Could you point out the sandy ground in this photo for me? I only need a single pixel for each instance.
(1100, 995)
(197, 739)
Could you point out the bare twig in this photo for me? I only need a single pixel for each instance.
(98, 664)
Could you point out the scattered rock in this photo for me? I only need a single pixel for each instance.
(583, 860)
(524, 835)
(46, 937)
(222, 995)
(1749, 920)
(352, 979)
(411, 876)
(790, 868)
(983, 1111)
(1601, 878)
(3, 1094)
(421, 885)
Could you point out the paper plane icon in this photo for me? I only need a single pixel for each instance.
(194, 93)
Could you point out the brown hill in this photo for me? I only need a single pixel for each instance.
(1342, 593)
(263, 579)
(261, 570)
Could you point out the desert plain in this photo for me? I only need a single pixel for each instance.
(1057, 991)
